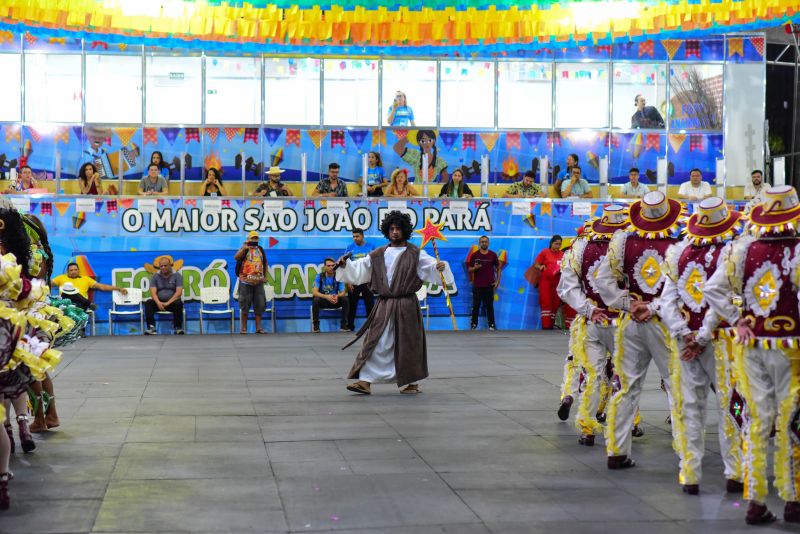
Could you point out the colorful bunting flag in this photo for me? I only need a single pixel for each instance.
(175, 202)
(293, 137)
(61, 133)
(191, 202)
(512, 140)
(671, 46)
(448, 139)
(192, 134)
(317, 136)
(547, 209)
(231, 133)
(735, 46)
(47, 208)
(125, 134)
(653, 141)
(758, 44)
(150, 136)
(337, 138)
(489, 140)
(98, 206)
(226, 203)
(468, 141)
(127, 203)
(272, 134)
(34, 206)
(36, 136)
(695, 142)
(111, 206)
(647, 48)
(553, 139)
(12, 132)
(378, 137)
(676, 141)
(358, 137)
(692, 48)
(62, 207)
(251, 134)
(212, 133)
(170, 134)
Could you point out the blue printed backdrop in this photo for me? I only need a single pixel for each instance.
(117, 236)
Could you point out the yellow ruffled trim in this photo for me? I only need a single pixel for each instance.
(762, 231)
(585, 422)
(616, 253)
(660, 234)
(611, 417)
(722, 238)
(36, 262)
(754, 449)
(38, 367)
(2, 413)
(10, 277)
(49, 327)
(680, 441)
(787, 455)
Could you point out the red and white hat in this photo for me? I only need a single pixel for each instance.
(712, 221)
(779, 211)
(655, 215)
(615, 217)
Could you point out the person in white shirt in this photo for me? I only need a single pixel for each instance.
(634, 189)
(695, 189)
(754, 191)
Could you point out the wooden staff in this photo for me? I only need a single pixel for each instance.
(444, 287)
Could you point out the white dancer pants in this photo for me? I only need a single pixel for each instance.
(593, 344)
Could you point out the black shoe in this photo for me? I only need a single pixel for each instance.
(563, 410)
(691, 489)
(492, 328)
(733, 486)
(315, 330)
(758, 514)
(601, 417)
(586, 440)
(473, 327)
(151, 331)
(637, 431)
(179, 332)
(620, 462)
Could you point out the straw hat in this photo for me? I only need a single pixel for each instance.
(275, 170)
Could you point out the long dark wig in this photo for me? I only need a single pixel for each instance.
(14, 238)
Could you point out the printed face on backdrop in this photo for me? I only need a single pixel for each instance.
(426, 142)
(97, 136)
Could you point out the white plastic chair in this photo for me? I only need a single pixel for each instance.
(91, 326)
(422, 297)
(216, 296)
(269, 293)
(131, 304)
(169, 313)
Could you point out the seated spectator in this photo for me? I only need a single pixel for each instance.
(166, 290)
(456, 187)
(89, 180)
(24, 181)
(333, 186)
(399, 186)
(273, 187)
(526, 188)
(576, 186)
(646, 116)
(376, 176)
(153, 183)
(695, 189)
(76, 287)
(754, 191)
(212, 185)
(572, 160)
(328, 294)
(634, 189)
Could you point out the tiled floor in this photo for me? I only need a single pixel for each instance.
(258, 434)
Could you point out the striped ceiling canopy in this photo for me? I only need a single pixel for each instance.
(385, 26)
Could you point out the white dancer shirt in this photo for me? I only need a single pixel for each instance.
(379, 369)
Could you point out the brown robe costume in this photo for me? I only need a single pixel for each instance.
(397, 303)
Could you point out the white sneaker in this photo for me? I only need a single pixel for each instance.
(151, 331)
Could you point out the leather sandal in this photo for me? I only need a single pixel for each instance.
(411, 389)
(358, 387)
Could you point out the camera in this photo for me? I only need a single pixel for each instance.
(252, 244)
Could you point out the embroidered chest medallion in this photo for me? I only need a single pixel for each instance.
(762, 289)
(690, 286)
(648, 273)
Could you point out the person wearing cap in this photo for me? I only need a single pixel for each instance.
(251, 269)
(166, 290)
(273, 187)
(762, 270)
(685, 312)
(76, 287)
(630, 279)
(593, 331)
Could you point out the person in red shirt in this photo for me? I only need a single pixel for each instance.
(484, 268)
(549, 263)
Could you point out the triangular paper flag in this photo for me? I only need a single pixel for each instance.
(317, 136)
(675, 141)
(125, 134)
(212, 133)
(272, 134)
(127, 203)
(671, 46)
(272, 241)
(62, 207)
(170, 134)
(378, 137)
(489, 139)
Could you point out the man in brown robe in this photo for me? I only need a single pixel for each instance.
(394, 347)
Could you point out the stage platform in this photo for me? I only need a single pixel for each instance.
(258, 434)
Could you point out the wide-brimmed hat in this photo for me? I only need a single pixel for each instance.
(69, 289)
(615, 217)
(274, 170)
(779, 210)
(712, 219)
(655, 215)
